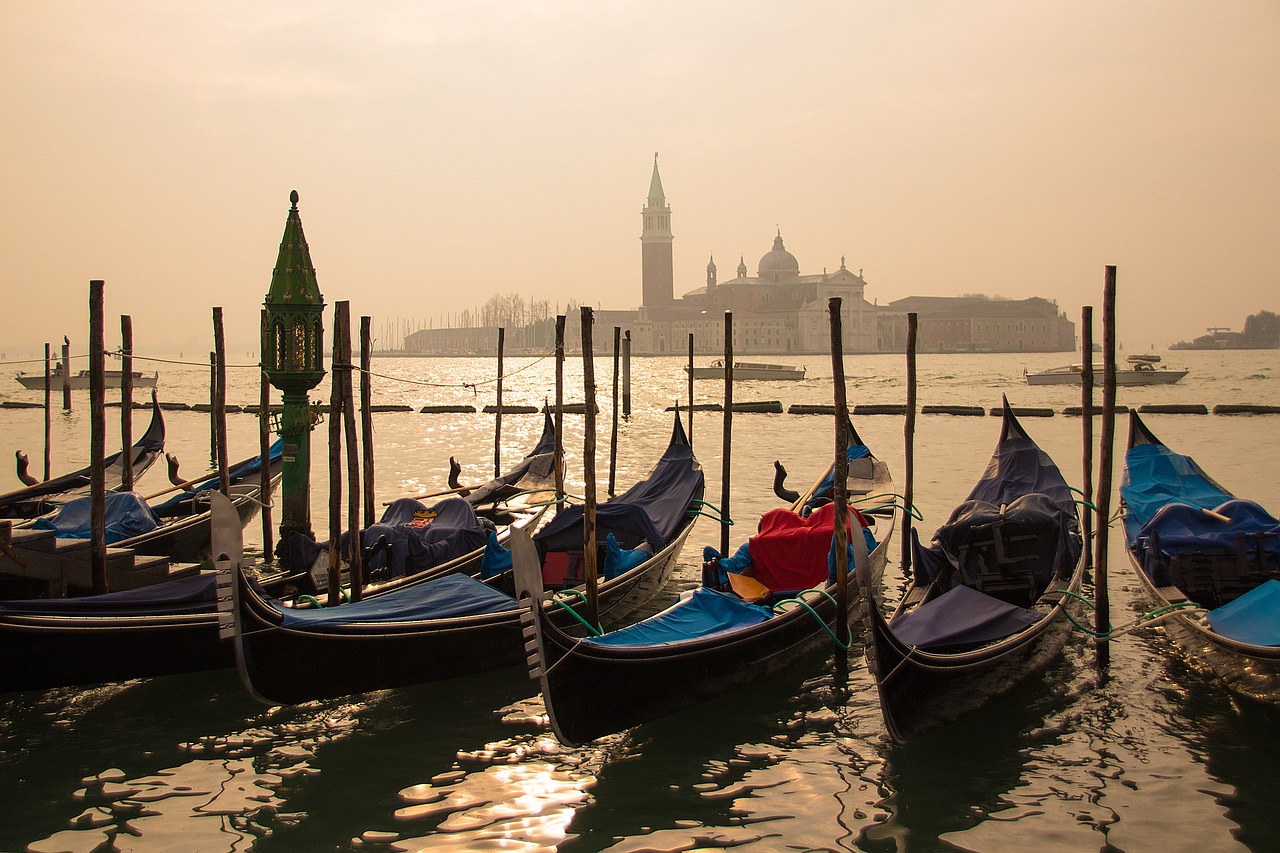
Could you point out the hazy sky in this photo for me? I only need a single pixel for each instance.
(447, 151)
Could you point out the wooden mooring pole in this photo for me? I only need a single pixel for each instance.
(689, 431)
(626, 374)
(909, 436)
(66, 374)
(840, 481)
(589, 470)
(727, 444)
(497, 423)
(1086, 413)
(1102, 598)
(559, 451)
(213, 407)
(355, 494)
(220, 404)
(126, 400)
(48, 412)
(264, 448)
(335, 469)
(366, 413)
(97, 441)
(613, 435)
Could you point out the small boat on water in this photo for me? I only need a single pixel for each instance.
(777, 605)
(43, 497)
(80, 381)
(987, 604)
(1211, 557)
(748, 370)
(1142, 370)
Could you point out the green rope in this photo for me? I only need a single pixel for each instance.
(727, 522)
(1142, 620)
(1090, 505)
(822, 623)
(312, 600)
(594, 631)
(915, 513)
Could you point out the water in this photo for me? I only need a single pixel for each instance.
(1156, 757)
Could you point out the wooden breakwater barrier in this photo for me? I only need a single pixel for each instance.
(1174, 409)
(963, 411)
(768, 407)
(447, 410)
(1230, 409)
(1023, 412)
(1078, 411)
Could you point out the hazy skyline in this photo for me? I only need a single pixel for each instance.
(445, 152)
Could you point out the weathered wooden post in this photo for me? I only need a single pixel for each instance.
(626, 374)
(220, 404)
(909, 434)
(727, 454)
(559, 451)
(126, 400)
(354, 493)
(213, 407)
(66, 374)
(264, 448)
(48, 412)
(366, 413)
(97, 441)
(613, 433)
(293, 351)
(1102, 598)
(690, 429)
(497, 423)
(589, 469)
(335, 464)
(840, 481)
(1086, 415)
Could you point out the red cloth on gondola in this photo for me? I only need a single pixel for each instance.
(791, 552)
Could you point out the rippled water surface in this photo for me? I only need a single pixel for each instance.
(1155, 756)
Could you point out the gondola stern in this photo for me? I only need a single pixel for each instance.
(227, 540)
(1139, 432)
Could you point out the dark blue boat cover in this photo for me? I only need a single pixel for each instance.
(1181, 528)
(962, 616)
(447, 597)
(1155, 476)
(970, 528)
(127, 515)
(236, 474)
(538, 465)
(195, 594)
(1252, 618)
(423, 537)
(699, 613)
(650, 511)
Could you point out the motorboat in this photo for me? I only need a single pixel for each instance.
(1140, 370)
(749, 370)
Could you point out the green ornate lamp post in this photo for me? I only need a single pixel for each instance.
(294, 361)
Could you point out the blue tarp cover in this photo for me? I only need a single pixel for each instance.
(1181, 528)
(447, 597)
(127, 515)
(195, 594)
(962, 616)
(1155, 476)
(696, 614)
(650, 511)
(1252, 618)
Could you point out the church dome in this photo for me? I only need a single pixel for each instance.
(779, 264)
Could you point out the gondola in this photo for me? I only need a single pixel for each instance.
(44, 497)
(161, 629)
(1212, 558)
(709, 641)
(987, 604)
(178, 528)
(458, 624)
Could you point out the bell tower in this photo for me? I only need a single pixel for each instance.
(657, 269)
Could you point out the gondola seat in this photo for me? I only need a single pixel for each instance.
(960, 618)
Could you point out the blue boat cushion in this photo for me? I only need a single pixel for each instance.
(127, 515)
(962, 616)
(628, 523)
(1252, 618)
(697, 613)
(444, 598)
(195, 594)
(618, 560)
(1012, 551)
(1212, 561)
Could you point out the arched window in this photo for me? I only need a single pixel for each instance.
(298, 347)
(280, 356)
